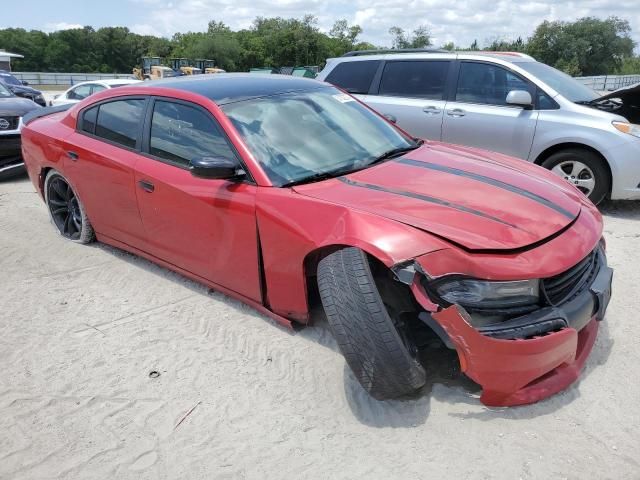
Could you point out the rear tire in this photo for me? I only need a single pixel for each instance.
(66, 210)
(587, 168)
(363, 329)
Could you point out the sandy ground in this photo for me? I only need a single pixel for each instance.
(238, 397)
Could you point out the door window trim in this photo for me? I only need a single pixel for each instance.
(146, 135)
(532, 86)
(80, 121)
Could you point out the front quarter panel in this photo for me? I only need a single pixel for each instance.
(293, 226)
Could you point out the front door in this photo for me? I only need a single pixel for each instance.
(204, 226)
(479, 116)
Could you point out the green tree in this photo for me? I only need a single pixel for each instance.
(420, 38)
(588, 46)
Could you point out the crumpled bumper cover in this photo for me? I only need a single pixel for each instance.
(524, 370)
(518, 372)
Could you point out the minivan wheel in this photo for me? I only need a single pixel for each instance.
(583, 169)
(66, 210)
(374, 346)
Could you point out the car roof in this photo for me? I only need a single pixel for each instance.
(223, 88)
(107, 82)
(513, 57)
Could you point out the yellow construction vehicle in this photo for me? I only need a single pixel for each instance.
(151, 68)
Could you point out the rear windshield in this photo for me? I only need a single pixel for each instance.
(354, 77)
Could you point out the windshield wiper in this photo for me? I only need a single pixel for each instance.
(394, 152)
(317, 177)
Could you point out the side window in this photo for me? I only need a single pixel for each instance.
(120, 121)
(79, 93)
(545, 102)
(97, 88)
(180, 133)
(354, 77)
(417, 79)
(89, 119)
(488, 84)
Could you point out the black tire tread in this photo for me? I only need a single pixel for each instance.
(363, 329)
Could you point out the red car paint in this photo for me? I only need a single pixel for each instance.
(266, 241)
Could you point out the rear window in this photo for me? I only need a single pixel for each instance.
(417, 79)
(120, 121)
(354, 77)
(89, 120)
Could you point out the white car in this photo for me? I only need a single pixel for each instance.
(80, 91)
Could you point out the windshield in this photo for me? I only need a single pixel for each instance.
(9, 79)
(4, 91)
(562, 83)
(299, 135)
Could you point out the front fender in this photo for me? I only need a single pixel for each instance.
(292, 226)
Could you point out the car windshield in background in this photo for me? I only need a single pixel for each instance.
(9, 79)
(306, 135)
(562, 83)
(4, 91)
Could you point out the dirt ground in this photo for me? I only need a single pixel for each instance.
(238, 397)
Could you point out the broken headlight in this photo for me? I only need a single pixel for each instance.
(488, 294)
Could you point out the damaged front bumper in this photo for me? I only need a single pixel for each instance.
(531, 357)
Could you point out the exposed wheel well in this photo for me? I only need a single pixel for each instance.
(394, 293)
(571, 145)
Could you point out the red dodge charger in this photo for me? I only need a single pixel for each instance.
(278, 190)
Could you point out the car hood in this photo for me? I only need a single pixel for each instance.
(16, 106)
(23, 89)
(624, 101)
(478, 200)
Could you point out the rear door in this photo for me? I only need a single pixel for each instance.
(204, 226)
(478, 115)
(413, 93)
(100, 158)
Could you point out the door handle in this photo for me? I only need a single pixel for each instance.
(456, 112)
(146, 186)
(431, 110)
(73, 155)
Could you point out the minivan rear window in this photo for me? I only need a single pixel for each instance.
(354, 77)
(415, 79)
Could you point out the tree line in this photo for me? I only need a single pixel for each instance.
(588, 46)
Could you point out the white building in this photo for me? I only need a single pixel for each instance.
(5, 59)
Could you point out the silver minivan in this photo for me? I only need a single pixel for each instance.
(508, 103)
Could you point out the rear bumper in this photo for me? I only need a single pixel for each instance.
(520, 371)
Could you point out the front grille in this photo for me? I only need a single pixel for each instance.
(12, 121)
(569, 283)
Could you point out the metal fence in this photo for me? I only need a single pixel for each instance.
(609, 83)
(600, 83)
(64, 79)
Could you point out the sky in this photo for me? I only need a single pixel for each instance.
(459, 21)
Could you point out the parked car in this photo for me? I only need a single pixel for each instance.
(12, 109)
(21, 89)
(82, 90)
(272, 188)
(509, 103)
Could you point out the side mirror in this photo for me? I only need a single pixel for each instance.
(520, 98)
(215, 168)
(25, 83)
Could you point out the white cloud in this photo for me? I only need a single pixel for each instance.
(54, 27)
(461, 22)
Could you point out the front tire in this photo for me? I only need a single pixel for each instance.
(370, 341)
(66, 210)
(583, 169)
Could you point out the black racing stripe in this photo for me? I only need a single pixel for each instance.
(427, 198)
(488, 180)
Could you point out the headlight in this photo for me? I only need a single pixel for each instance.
(630, 128)
(486, 294)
